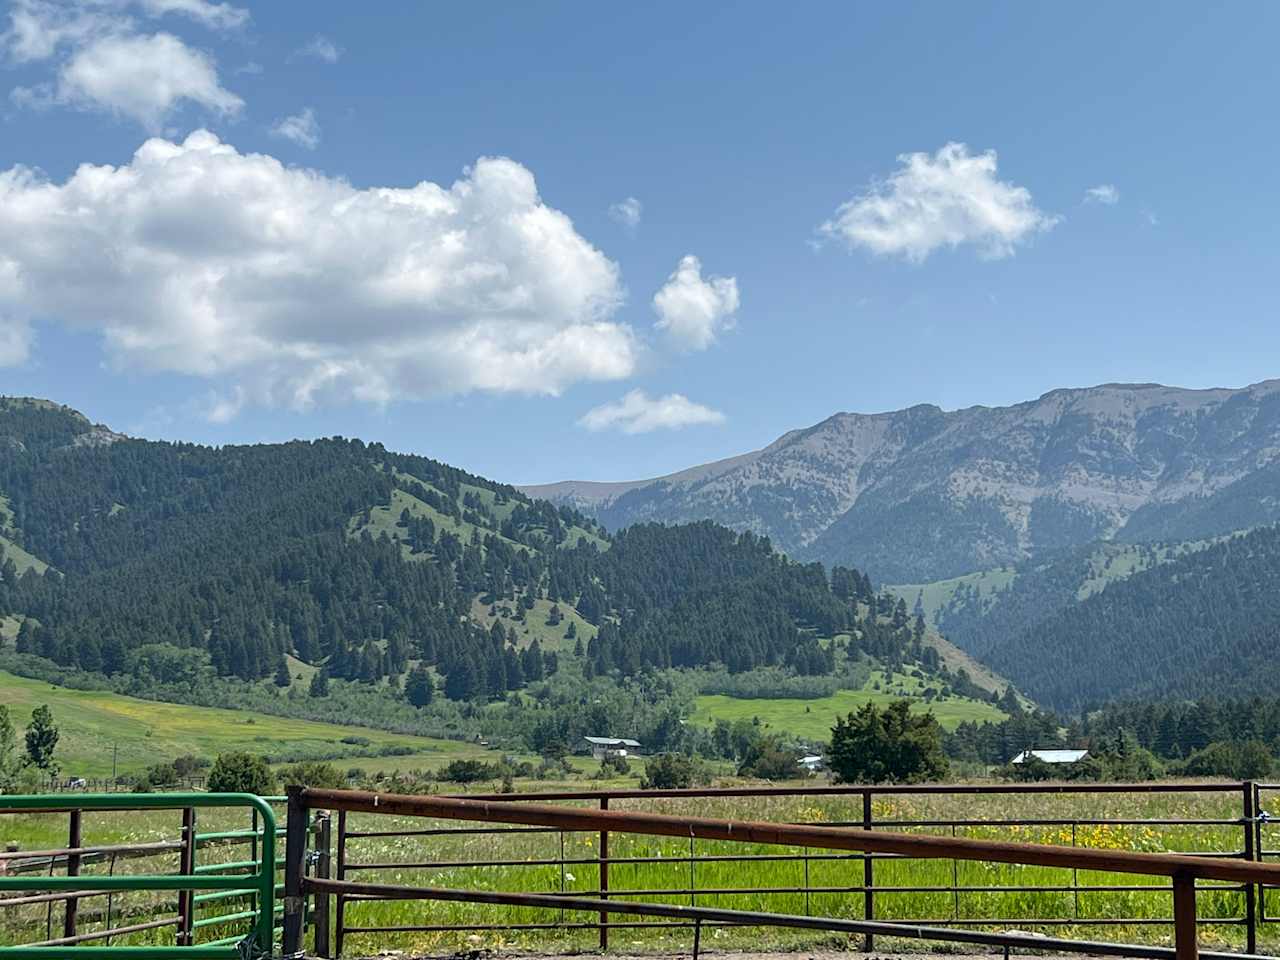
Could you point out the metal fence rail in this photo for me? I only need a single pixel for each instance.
(29, 874)
(1244, 888)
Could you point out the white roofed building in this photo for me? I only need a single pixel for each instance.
(1051, 756)
(602, 747)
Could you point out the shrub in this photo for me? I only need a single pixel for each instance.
(671, 771)
(468, 771)
(1239, 760)
(189, 765)
(314, 774)
(239, 772)
(614, 766)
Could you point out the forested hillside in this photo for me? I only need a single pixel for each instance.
(167, 559)
(1206, 623)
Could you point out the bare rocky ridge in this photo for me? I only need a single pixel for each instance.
(922, 494)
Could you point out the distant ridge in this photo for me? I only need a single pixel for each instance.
(922, 494)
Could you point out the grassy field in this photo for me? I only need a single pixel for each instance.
(819, 882)
(93, 724)
(813, 719)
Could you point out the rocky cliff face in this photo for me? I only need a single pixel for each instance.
(922, 494)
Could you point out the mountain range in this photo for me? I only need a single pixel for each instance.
(923, 494)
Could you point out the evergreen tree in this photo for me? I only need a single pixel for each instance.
(889, 746)
(418, 686)
(42, 740)
(319, 683)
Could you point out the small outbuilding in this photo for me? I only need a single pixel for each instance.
(812, 763)
(1051, 756)
(604, 747)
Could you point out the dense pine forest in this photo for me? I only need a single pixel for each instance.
(1202, 624)
(166, 560)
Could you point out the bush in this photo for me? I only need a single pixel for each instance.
(671, 771)
(614, 766)
(313, 774)
(768, 760)
(239, 772)
(189, 765)
(1239, 760)
(469, 771)
(161, 776)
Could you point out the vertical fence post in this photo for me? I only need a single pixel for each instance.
(320, 906)
(295, 861)
(868, 875)
(253, 850)
(73, 870)
(604, 878)
(340, 901)
(1184, 918)
(187, 865)
(1250, 853)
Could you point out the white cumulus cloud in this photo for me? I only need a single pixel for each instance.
(637, 412)
(319, 48)
(302, 128)
(102, 61)
(1103, 193)
(627, 212)
(296, 287)
(144, 78)
(945, 199)
(691, 310)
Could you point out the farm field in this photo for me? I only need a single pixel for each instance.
(908, 889)
(813, 719)
(95, 723)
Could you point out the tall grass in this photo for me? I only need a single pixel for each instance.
(817, 883)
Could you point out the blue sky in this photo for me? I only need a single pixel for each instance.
(280, 274)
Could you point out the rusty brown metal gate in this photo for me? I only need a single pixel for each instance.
(1243, 818)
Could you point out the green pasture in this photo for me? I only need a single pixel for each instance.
(93, 724)
(813, 719)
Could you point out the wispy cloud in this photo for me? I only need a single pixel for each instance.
(1104, 193)
(627, 212)
(944, 199)
(637, 412)
(319, 48)
(302, 128)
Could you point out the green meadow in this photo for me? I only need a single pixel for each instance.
(813, 719)
(94, 725)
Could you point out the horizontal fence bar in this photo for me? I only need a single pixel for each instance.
(749, 891)
(746, 918)
(176, 881)
(105, 934)
(201, 952)
(445, 831)
(907, 845)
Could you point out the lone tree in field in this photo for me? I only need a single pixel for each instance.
(889, 746)
(42, 738)
(419, 690)
(241, 773)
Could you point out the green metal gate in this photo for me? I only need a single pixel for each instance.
(211, 879)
